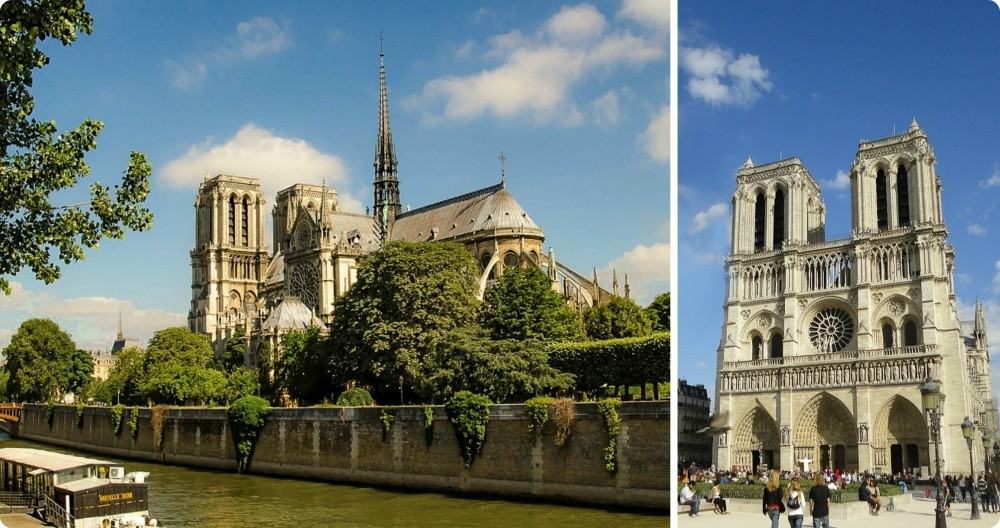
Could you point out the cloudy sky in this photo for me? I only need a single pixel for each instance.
(808, 82)
(574, 94)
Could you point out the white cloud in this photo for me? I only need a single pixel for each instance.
(536, 72)
(652, 13)
(254, 38)
(606, 109)
(840, 182)
(576, 23)
(91, 321)
(719, 77)
(976, 229)
(648, 269)
(256, 152)
(465, 50)
(703, 219)
(655, 140)
(992, 181)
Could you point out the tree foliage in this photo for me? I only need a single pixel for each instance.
(628, 361)
(236, 350)
(37, 161)
(42, 362)
(178, 344)
(658, 312)
(407, 298)
(523, 305)
(124, 378)
(178, 383)
(302, 368)
(79, 371)
(619, 318)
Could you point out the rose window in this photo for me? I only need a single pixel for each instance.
(831, 330)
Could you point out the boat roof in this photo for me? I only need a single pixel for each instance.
(84, 484)
(48, 460)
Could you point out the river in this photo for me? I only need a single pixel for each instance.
(188, 497)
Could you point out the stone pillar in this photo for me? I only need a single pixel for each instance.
(769, 221)
(892, 207)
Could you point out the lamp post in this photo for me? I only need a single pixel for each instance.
(969, 431)
(930, 397)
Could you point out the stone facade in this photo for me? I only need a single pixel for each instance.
(693, 405)
(825, 342)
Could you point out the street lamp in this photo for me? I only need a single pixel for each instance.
(930, 397)
(969, 431)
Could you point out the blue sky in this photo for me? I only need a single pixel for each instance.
(812, 83)
(575, 94)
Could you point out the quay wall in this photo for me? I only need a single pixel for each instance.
(347, 444)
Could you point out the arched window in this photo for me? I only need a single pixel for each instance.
(511, 260)
(779, 219)
(232, 220)
(758, 345)
(758, 223)
(777, 346)
(881, 204)
(910, 333)
(886, 335)
(244, 231)
(903, 196)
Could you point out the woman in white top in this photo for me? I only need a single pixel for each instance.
(717, 500)
(795, 503)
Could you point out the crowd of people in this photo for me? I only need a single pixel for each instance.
(834, 478)
(963, 488)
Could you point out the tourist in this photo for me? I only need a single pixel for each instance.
(994, 492)
(689, 497)
(982, 488)
(875, 497)
(964, 485)
(717, 500)
(819, 502)
(796, 504)
(948, 496)
(772, 503)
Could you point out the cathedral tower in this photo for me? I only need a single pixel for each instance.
(387, 204)
(229, 256)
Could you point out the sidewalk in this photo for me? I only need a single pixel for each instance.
(919, 513)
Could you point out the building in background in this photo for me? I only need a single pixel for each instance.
(826, 343)
(693, 407)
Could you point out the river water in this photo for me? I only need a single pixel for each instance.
(187, 497)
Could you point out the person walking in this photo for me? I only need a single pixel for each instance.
(796, 504)
(819, 502)
(717, 500)
(963, 485)
(982, 488)
(771, 503)
(994, 491)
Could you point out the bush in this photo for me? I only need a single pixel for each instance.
(537, 410)
(617, 319)
(116, 418)
(469, 414)
(612, 425)
(133, 421)
(629, 361)
(246, 418)
(563, 416)
(387, 417)
(756, 491)
(356, 397)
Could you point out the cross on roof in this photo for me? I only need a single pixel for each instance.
(503, 174)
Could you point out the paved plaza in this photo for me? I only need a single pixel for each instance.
(919, 513)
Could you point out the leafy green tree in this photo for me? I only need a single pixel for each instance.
(178, 344)
(125, 378)
(506, 371)
(619, 318)
(80, 370)
(303, 367)
(177, 383)
(407, 298)
(658, 312)
(236, 350)
(39, 359)
(37, 161)
(523, 305)
(240, 382)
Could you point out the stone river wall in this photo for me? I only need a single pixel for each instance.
(347, 445)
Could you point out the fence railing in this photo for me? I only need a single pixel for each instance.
(56, 514)
(870, 353)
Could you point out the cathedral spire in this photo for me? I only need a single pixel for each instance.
(121, 329)
(386, 181)
(979, 329)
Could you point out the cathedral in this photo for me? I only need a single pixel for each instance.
(316, 248)
(825, 343)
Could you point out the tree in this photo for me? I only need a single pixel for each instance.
(240, 382)
(38, 361)
(302, 368)
(79, 371)
(407, 298)
(125, 378)
(180, 344)
(658, 312)
(523, 305)
(37, 161)
(174, 382)
(236, 350)
(619, 318)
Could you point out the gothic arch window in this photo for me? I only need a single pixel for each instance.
(881, 201)
(232, 220)
(757, 347)
(779, 218)
(758, 222)
(777, 345)
(887, 335)
(910, 333)
(903, 196)
(245, 222)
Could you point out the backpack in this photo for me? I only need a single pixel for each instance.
(793, 502)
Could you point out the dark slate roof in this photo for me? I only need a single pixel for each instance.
(487, 209)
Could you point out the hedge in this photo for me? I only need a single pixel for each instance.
(628, 361)
(756, 491)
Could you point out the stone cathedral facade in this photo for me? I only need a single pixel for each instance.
(825, 343)
(316, 248)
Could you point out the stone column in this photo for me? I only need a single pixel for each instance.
(214, 228)
(892, 208)
(769, 221)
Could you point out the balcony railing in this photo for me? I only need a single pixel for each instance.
(835, 357)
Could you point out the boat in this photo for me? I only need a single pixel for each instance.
(69, 491)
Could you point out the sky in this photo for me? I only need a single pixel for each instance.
(574, 94)
(775, 79)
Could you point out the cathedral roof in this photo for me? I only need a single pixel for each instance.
(291, 314)
(275, 269)
(489, 209)
(347, 225)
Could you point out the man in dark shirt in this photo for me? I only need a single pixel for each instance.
(819, 502)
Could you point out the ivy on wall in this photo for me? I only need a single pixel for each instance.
(116, 418)
(428, 424)
(247, 416)
(157, 416)
(387, 417)
(469, 414)
(612, 425)
(79, 415)
(564, 413)
(133, 421)
(537, 409)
